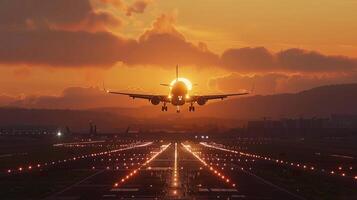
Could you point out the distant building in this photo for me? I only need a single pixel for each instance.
(344, 121)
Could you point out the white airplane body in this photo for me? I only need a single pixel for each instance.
(178, 95)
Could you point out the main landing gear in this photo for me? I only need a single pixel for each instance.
(191, 108)
(164, 108)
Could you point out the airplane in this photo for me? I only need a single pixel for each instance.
(178, 95)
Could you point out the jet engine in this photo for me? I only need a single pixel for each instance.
(155, 100)
(201, 101)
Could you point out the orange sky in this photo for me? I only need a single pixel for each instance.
(135, 45)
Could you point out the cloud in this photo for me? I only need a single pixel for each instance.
(138, 6)
(54, 14)
(263, 84)
(298, 60)
(58, 33)
(300, 82)
(74, 98)
(164, 24)
(96, 21)
(163, 45)
(248, 59)
(69, 33)
(119, 4)
(271, 83)
(291, 60)
(62, 48)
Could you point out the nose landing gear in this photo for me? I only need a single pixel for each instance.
(164, 108)
(191, 108)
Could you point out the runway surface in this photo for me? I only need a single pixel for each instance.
(169, 171)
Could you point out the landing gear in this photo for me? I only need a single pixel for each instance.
(178, 109)
(164, 108)
(191, 108)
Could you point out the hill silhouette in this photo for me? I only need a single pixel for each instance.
(317, 102)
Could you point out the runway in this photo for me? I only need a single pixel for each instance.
(173, 173)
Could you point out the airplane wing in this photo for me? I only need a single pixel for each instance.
(162, 98)
(222, 96)
(195, 98)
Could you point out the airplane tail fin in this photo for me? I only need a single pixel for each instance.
(177, 76)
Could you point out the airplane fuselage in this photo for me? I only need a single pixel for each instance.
(178, 93)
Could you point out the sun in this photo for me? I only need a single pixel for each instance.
(184, 80)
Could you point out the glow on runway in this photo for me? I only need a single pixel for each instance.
(40, 165)
(281, 161)
(216, 172)
(135, 171)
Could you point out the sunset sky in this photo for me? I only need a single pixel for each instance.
(66, 49)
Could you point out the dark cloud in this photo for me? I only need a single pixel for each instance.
(18, 12)
(291, 60)
(167, 50)
(310, 61)
(248, 59)
(62, 48)
(162, 45)
(42, 14)
(97, 21)
(58, 33)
